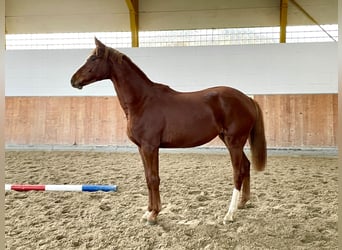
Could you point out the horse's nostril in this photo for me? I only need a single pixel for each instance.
(75, 83)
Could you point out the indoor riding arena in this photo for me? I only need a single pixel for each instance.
(105, 156)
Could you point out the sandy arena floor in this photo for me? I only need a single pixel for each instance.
(293, 204)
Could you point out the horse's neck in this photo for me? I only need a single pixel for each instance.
(131, 85)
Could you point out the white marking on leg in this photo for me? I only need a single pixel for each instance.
(232, 207)
(145, 216)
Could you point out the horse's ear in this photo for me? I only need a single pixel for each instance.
(98, 43)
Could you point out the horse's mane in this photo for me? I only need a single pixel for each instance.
(116, 56)
(113, 55)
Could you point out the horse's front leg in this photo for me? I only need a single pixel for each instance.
(150, 160)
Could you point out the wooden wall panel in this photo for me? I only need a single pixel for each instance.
(300, 120)
(64, 121)
(290, 121)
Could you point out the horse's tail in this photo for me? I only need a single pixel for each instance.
(257, 141)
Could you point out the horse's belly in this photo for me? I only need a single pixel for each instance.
(182, 134)
(186, 143)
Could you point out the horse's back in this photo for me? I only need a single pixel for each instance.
(223, 102)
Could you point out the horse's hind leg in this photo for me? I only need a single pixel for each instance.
(236, 155)
(241, 169)
(245, 168)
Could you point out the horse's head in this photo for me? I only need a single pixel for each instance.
(96, 68)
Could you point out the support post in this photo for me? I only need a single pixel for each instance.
(283, 20)
(133, 7)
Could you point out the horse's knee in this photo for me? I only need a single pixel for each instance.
(153, 181)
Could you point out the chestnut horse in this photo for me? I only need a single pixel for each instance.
(160, 117)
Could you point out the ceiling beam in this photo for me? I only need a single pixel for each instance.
(283, 20)
(311, 18)
(133, 7)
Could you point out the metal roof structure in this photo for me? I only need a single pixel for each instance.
(62, 16)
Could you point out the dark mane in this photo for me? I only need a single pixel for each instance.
(163, 87)
(116, 56)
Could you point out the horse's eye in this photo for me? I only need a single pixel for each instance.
(92, 58)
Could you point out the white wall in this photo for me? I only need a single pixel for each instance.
(254, 69)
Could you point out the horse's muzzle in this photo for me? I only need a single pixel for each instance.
(75, 83)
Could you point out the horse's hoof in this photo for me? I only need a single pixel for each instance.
(242, 204)
(145, 216)
(228, 218)
(225, 222)
(151, 222)
(152, 219)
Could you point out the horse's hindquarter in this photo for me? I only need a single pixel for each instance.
(239, 111)
(198, 117)
(192, 119)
